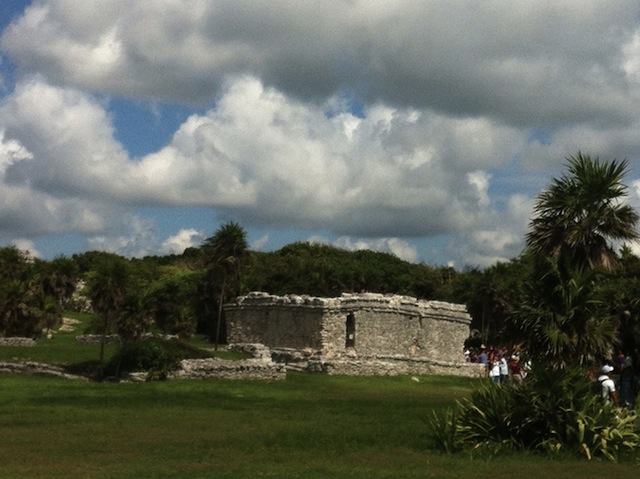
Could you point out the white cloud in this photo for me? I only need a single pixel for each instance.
(500, 239)
(26, 210)
(265, 158)
(392, 122)
(137, 239)
(273, 160)
(185, 238)
(395, 246)
(260, 243)
(631, 58)
(479, 180)
(11, 151)
(27, 246)
(70, 139)
(513, 60)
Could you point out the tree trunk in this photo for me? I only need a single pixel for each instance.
(103, 339)
(220, 304)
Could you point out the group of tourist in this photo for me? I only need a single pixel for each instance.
(616, 381)
(502, 364)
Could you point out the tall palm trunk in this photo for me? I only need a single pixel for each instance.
(223, 292)
(103, 340)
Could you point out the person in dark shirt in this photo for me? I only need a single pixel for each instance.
(628, 387)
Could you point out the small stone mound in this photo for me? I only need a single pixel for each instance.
(68, 325)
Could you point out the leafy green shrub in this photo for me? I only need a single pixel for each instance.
(154, 355)
(444, 431)
(552, 411)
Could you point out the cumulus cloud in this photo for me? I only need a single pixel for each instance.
(185, 238)
(27, 246)
(137, 238)
(269, 159)
(70, 140)
(395, 246)
(25, 210)
(260, 243)
(499, 240)
(393, 122)
(517, 61)
(274, 160)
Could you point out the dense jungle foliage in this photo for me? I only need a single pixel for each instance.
(179, 294)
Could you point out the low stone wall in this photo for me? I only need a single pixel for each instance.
(256, 350)
(190, 369)
(223, 369)
(395, 367)
(96, 338)
(114, 338)
(21, 342)
(262, 367)
(310, 360)
(34, 368)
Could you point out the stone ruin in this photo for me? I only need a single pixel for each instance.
(354, 334)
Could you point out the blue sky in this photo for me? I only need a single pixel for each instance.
(420, 128)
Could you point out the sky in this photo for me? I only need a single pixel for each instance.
(420, 128)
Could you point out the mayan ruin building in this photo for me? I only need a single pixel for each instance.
(355, 334)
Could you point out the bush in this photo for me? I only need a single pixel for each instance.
(552, 411)
(156, 356)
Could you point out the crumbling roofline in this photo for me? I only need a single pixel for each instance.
(355, 303)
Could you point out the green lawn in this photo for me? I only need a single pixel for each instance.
(62, 348)
(309, 426)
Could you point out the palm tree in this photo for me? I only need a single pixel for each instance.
(578, 220)
(563, 323)
(582, 213)
(136, 316)
(59, 277)
(225, 252)
(107, 288)
(15, 306)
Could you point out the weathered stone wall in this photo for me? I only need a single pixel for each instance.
(444, 338)
(217, 368)
(395, 367)
(382, 326)
(272, 321)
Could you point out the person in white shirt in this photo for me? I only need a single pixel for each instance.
(504, 370)
(494, 371)
(608, 387)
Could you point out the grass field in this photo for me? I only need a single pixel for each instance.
(62, 348)
(309, 426)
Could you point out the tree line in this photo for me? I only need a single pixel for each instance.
(181, 294)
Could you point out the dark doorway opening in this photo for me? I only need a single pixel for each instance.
(351, 331)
